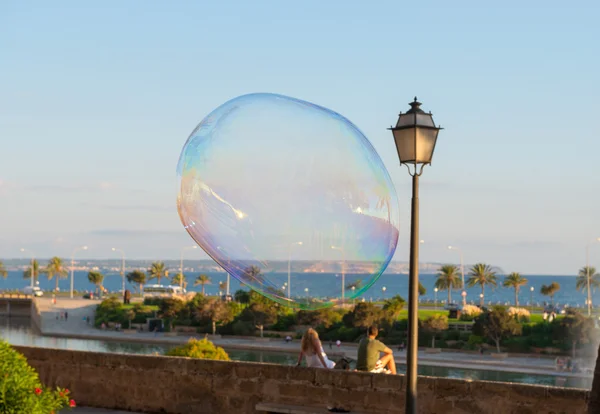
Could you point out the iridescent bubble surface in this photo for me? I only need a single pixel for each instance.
(271, 187)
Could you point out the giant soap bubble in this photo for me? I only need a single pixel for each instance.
(290, 198)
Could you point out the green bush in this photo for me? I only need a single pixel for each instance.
(21, 391)
(284, 322)
(153, 301)
(475, 340)
(242, 328)
(201, 349)
(451, 336)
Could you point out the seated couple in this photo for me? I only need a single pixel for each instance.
(369, 349)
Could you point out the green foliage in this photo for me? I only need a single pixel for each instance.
(56, 268)
(515, 280)
(21, 391)
(482, 274)
(475, 340)
(137, 277)
(202, 349)
(157, 271)
(363, 315)
(110, 310)
(179, 280)
(3, 271)
(243, 328)
(169, 309)
(202, 280)
(36, 271)
(323, 317)
(153, 301)
(422, 289)
(433, 325)
(575, 328)
(95, 278)
(550, 290)
(242, 296)
(448, 278)
(582, 278)
(259, 314)
(496, 325)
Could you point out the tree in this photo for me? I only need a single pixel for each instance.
(3, 272)
(392, 307)
(215, 311)
(96, 278)
(496, 325)
(157, 271)
(138, 277)
(169, 309)
(179, 280)
(222, 286)
(550, 290)
(56, 268)
(253, 274)
(482, 274)
(576, 328)
(36, 271)
(241, 296)
(363, 315)
(515, 280)
(581, 283)
(422, 290)
(202, 280)
(260, 315)
(448, 278)
(435, 324)
(130, 315)
(324, 317)
(356, 284)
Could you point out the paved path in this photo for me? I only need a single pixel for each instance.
(77, 327)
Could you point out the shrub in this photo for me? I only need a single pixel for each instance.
(520, 314)
(469, 312)
(21, 391)
(242, 328)
(201, 349)
(475, 340)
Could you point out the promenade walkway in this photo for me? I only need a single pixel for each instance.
(76, 327)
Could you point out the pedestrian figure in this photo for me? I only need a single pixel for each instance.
(401, 347)
(338, 343)
(330, 344)
(66, 316)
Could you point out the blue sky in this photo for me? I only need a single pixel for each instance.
(96, 102)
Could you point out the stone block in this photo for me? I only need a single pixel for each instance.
(388, 382)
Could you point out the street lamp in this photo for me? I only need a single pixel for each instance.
(122, 265)
(181, 269)
(306, 290)
(587, 266)
(435, 291)
(343, 270)
(462, 273)
(415, 135)
(353, 298)
(481, 299)
(289, 282)
(383, 289)
(75, 250)
(32, 268)
(531, 289)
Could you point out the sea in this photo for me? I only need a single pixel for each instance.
(328, 284)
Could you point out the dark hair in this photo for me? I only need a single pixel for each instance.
(372, 331)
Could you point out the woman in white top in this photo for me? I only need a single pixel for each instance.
(312, 350)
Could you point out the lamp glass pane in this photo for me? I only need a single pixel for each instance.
(405, 119)
(425, 119)
(405, 144)
(425, 144)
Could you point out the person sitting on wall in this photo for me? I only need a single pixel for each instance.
(312, 349)
(369, 350)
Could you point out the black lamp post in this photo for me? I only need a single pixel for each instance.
(415, 135)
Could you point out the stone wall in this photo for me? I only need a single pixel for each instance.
(180, 385)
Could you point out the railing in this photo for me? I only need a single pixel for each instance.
(14, 296)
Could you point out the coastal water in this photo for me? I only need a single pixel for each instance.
(319, 283)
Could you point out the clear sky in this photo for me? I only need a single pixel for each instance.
(96, 102)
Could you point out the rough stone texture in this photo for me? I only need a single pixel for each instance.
(179, 385)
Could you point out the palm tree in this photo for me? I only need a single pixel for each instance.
(223, 286)
(157, 271)
(515, 280)
(139, 277)
(36, 271)
(202, 280)
(96, 278)
(482, 274)
(581, 283)
(179, 280)
(550, 290)
(448, 278)
(55, 267)
(3, 272)
(253, 273)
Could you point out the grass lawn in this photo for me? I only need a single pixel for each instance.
(131, 305)
(426, 313)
